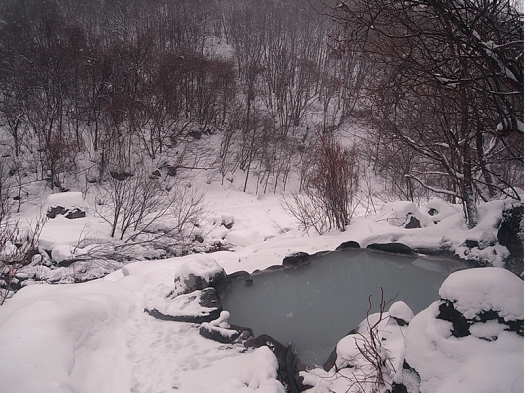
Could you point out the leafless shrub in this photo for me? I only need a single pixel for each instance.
(134, 204)
(371, 348)
(331, 184)
(17, 249)
(370, 363)
(307, 209)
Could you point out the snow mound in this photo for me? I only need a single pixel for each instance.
(67, 200)
(476, 290)
(398, 213)
(245, 237)
(438, 209)
(200, 266)
(487, 357)
(401, 311)
(53, 337)
(446, 364)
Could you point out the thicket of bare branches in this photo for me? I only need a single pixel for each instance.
(447, 88)
(135, 204)
(18, 245)
(327, 199)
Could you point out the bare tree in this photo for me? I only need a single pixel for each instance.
(449, 85)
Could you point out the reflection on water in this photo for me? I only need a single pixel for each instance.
(315, 306)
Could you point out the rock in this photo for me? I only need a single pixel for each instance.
(54, 211)
(437, 210)
(401, 313)
(289, 364)
(296, 260)
(399, 388)
(196, 307)
(408, 377)
(393, 248)
(241, 275)
(469, 243)
(460, 325)
(510, 235)
(330, 362)
(75, 213)
(348, 245)
(484, 311)
(227, 222)
(200, 273)
(221, 331)
(412, 222)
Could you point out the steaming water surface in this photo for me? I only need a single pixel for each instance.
(314, 306)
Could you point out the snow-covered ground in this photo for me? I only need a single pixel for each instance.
(95, 336)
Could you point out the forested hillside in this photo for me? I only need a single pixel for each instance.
(108, 93)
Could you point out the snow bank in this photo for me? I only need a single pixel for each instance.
(53, 339)
(398, 213)
(67, 200)
(476, 290)
(487, 359)
(469, 364)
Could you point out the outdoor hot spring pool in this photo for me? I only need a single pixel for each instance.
(314, 306)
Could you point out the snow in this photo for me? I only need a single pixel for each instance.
(400, 310)
(199, 265)
(488, 360)
(476, 290)
(95, 337)
(466, 364)
(353, 371)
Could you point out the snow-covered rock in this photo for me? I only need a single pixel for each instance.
(471, 340)
(367, 358)
(221, 331)
(475, 291)
(400, 213)
(198, 273)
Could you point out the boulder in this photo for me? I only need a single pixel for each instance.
(289, 363)
(199, 273)
(54, 211)
(222, 331)
(296, 260)
(471, 338)
(412, 222)
(227, 222)
(510, 235)
(348, 245)
(460, 325)
(393, 248)
(241, 275)
(196, 307)
(75, 213)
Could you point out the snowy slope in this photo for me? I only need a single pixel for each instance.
(95, 337)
